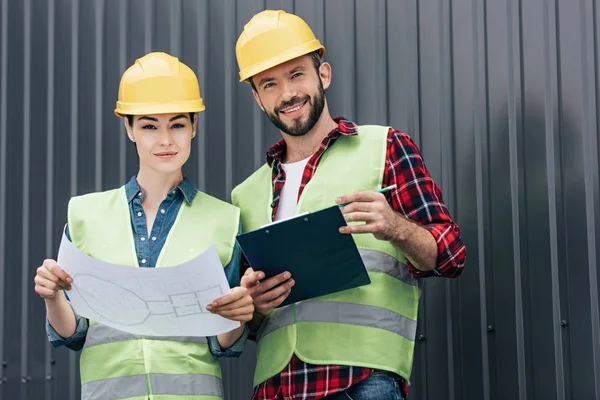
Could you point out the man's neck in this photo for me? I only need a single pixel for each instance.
(157, 185)
(301, 147)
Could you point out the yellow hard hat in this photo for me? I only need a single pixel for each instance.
(271, 38)
(158, 84)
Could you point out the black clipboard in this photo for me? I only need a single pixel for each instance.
(320, 258)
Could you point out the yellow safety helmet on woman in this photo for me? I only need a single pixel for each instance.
(158, 84)
(271, 38)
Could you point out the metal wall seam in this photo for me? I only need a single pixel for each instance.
(73, 381)
(480, 132)
(3, 172)
(25, 221)
(446, 138)
(123, 14)
(229, 75)
(516, 180)
(590, 165)
(175, 28)
(50, 173)
(98, 91)
(552, 146)
(203, 27)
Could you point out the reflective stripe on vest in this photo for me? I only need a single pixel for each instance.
(162, 384)
(102, 334)
(378, 261)
(342, 313)
(350, 313)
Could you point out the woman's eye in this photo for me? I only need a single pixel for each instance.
(148, 127)
(178, 126)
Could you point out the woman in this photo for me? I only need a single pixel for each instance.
(170, 222)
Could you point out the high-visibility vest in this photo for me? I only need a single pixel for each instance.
(370, 326)
(119, 365)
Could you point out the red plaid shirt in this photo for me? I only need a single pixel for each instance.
(418, 198)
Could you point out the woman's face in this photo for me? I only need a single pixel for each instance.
(163, 141)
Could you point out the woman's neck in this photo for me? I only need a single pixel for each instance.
(156, 185)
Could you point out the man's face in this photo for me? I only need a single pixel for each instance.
(292, 95)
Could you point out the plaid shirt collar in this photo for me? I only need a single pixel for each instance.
(345, 128)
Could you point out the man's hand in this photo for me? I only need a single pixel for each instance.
(373, 209)
(50, 279)
(236, 306)
(268, 294)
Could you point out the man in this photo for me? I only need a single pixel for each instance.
(358, 343)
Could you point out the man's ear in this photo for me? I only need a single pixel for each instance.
(128, 129)
(325, 74)
(258, 100)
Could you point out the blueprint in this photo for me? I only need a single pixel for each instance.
(148, 301)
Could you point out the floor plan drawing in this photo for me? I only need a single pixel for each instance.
(148, 301)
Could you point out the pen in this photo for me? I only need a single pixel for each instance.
(383, 190)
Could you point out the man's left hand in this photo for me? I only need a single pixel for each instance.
(373, 209)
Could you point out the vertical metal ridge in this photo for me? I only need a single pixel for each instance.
(122, 66)
(149, 18)
(353, 105)
(445, 138)
(479, 132)
(73, 382)
(514, 91)
(202, 23)
(175, 26)
(3, 162)
(99, 36)
(25, 283)
(417, 82)
(49, 173)
(386, 64)
(590, 164)
(551, 123)
(228, 29)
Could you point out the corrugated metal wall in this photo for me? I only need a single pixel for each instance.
(501, 96)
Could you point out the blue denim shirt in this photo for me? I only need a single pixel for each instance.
(148, 249)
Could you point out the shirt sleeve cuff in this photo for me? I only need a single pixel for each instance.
(232, 352)
(443, 259)
(75, 341)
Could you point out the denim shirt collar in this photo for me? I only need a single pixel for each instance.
(186, 187)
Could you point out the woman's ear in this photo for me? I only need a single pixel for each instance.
(129, 129)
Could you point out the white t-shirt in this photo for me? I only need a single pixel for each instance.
(288, 198)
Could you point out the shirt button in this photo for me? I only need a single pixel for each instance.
(142, 239)
(139, 214)
(273, 205)
(144, 261)
(140, 194)
(154, 238)
(162, 211)
(173, 191)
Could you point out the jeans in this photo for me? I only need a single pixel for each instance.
(378, 386)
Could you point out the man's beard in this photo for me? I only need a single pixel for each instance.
(317, 104)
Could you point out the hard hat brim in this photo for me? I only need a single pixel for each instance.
(281, 58)
(124, 109)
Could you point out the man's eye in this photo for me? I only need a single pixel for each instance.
(297, 74)
(268, 85)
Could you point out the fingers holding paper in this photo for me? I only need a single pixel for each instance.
(236, 305)
(50, 279)
(270, 293)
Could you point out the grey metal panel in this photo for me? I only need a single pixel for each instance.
(501, 97)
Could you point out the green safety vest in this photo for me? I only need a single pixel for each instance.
(116, 364)
(370, 326)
